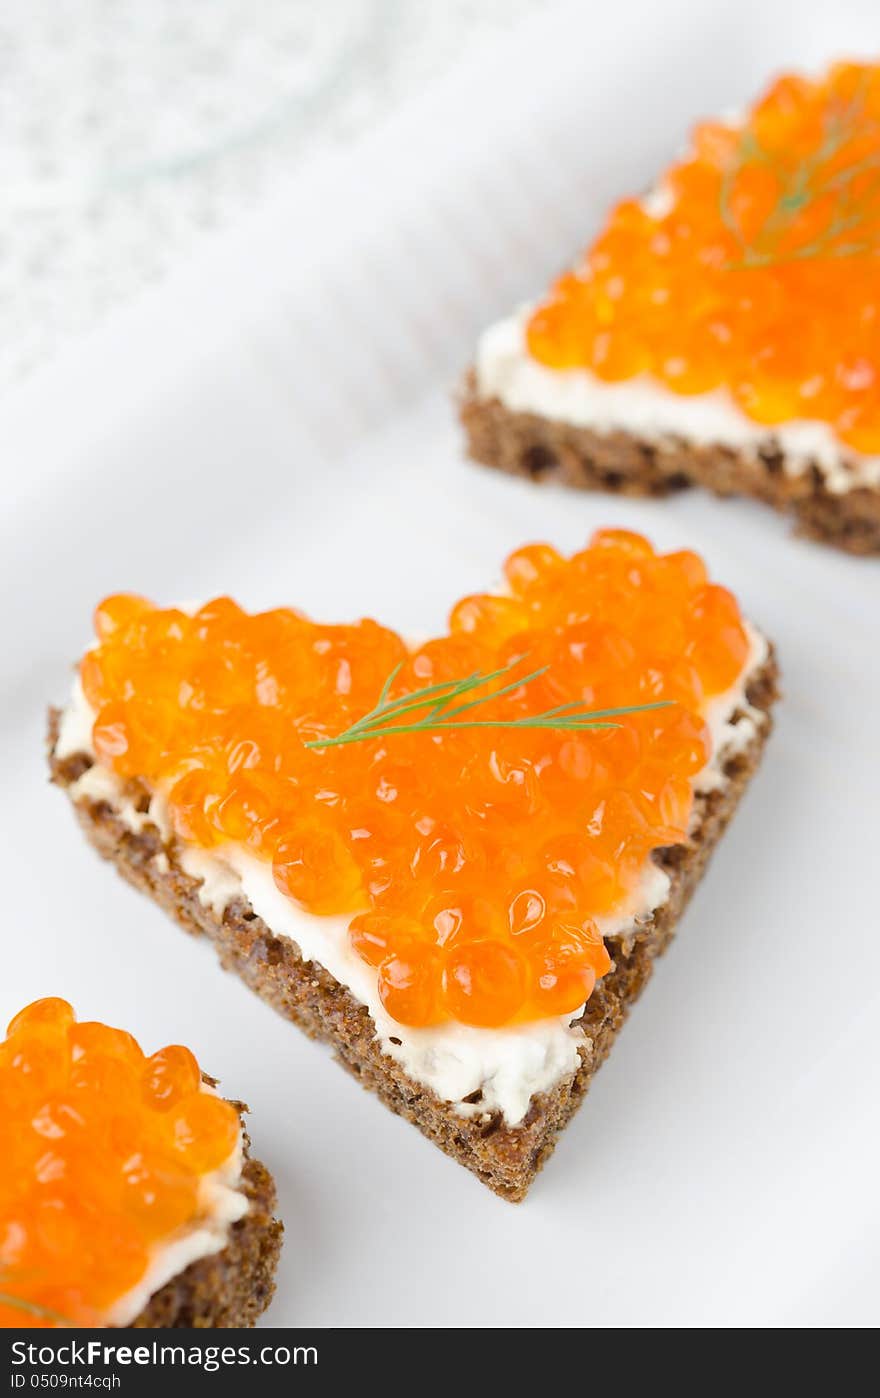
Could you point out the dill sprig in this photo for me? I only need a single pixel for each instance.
(815, 177)
(443, 709)
(18, 1303)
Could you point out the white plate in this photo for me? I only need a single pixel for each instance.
(277, 423)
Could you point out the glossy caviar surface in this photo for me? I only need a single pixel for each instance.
(472, 864)
(758, 271)
(101, 1154)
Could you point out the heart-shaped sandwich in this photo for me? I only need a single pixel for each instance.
(457, 860)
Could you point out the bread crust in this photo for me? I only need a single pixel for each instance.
(542, 449)
(232, 1288)
(505, 1158)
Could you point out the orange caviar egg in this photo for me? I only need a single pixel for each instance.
(755, 270)
(204, 1131)
(103, 1151)
(376, 936)
(568, 964)
(409, 983)
(314, 866)
(116, 612)
(470, 863)
(485, 982)
(169, 1076)
(527, 566)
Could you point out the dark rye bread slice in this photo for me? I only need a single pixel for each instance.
(541, 449)
(505, 1158)
(232, 1288)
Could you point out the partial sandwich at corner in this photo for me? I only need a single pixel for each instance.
(128, 1194)
(722, 331)
(454, 861)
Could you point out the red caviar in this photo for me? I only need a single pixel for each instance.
(474, 862)
(102, 1151)
(757, 270)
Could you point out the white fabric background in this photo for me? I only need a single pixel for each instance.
(132, 129)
